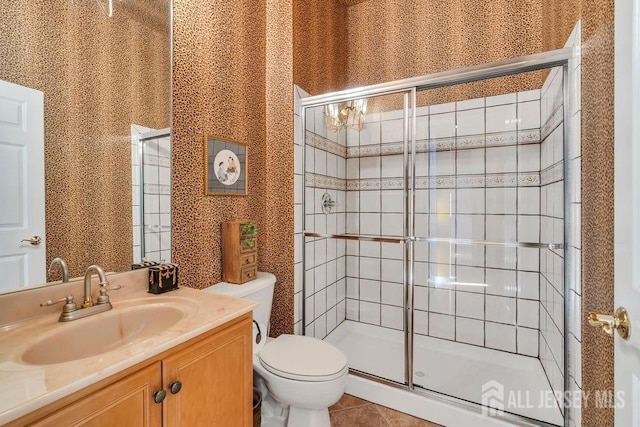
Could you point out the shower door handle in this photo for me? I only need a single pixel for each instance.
(608, 323)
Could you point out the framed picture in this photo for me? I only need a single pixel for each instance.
(225, 171)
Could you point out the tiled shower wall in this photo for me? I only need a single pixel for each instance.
(552, 221)
(324, 266)
(477, 173)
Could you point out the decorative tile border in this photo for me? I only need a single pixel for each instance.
(322, 181)
(150, 159)
(157, 189)
(316, 141)
(449, 181)
(553, 173)
(501, 139)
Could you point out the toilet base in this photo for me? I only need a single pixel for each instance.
(299, 417)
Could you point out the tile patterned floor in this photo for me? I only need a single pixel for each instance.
(351, 411)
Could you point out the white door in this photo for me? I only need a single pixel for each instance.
(21, 187)
(627, 208)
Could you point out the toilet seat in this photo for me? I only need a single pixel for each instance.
(303, 358)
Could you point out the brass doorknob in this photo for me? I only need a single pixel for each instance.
(35, 240)
(619, 321)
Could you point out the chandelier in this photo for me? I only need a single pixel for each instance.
(348, 114)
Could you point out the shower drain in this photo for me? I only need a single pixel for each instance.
(419, 374)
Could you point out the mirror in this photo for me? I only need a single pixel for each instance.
(106, 85)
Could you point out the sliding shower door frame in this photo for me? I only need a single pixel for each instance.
(410, 86)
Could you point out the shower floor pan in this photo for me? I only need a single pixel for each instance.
(451, 368)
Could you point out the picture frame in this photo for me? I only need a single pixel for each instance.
(225, 167)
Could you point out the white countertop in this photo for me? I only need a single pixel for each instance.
(25, 388)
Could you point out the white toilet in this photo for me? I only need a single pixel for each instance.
(305, 374)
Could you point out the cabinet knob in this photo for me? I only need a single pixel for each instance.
(159, 396)
(175, 387)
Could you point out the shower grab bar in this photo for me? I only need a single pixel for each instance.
(551, 246)
(367, 238)
(360, 237)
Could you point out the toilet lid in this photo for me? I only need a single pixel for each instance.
(303, 358)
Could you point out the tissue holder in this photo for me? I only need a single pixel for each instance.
(163, 278)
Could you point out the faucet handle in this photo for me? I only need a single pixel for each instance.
(103, 298)
(69, 305)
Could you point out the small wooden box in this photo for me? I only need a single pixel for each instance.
(239, 260)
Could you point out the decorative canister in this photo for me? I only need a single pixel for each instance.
(146, 263)
(163, 278)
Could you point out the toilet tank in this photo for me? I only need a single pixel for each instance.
(260, 290)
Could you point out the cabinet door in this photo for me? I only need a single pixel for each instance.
(128, 402)
(216, 375)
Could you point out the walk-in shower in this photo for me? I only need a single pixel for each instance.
(434, 239)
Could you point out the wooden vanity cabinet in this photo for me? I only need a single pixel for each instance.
(215, 376)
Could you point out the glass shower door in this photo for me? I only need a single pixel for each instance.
(487, 259)
(372, 330)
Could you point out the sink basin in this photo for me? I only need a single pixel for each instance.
(104, 332)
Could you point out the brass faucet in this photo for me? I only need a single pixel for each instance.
(63, 266)
(71, 312)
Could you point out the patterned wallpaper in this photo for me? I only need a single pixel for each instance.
(218, 89)
(320, 45)
(95, 73)
(422, 37)
(597, 198)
